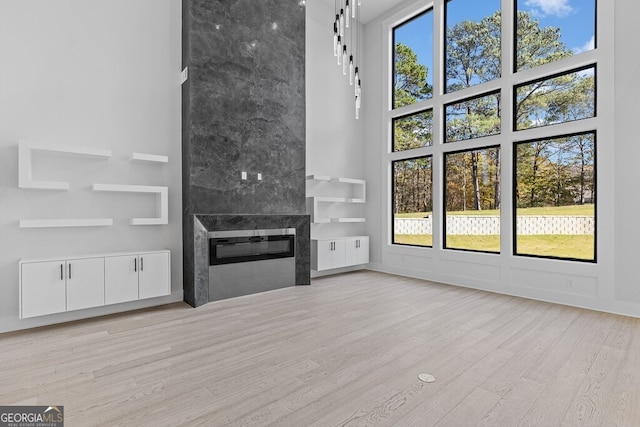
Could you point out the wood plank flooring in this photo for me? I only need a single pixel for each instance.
(345, 351)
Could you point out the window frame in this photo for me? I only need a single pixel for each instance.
(601, 58)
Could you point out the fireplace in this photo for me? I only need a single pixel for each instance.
(235, 255)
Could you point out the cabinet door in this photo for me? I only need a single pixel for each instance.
(154, 275)
(85, 283)
(42, 288)
(363, 250)
(339, 253)
(351, 250)
(120, 279)
(324, 254)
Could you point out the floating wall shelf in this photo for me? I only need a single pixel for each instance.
(359, 190)
(151, 158)
(25, 171)
(46, 223)
(162, 200)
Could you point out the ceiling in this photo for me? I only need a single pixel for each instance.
(371, 9)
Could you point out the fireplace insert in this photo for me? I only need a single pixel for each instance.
(243, 262)
(230, 247)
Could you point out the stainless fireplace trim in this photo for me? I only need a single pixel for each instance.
(249, 233)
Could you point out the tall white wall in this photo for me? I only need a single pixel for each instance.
(89, 73)
(335, 143)
(627, 152)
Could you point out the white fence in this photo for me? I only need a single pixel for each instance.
(482, 225)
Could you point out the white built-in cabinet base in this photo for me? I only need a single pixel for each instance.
(338, 252)
(56, 285)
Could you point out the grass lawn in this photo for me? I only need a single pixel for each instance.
(574, 210)
(560, 246)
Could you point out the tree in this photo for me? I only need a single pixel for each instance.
(409, 77)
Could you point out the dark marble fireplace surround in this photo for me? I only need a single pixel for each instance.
(243, 110)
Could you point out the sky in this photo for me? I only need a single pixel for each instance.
(575, 18)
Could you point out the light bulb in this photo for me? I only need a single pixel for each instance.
(351, 70)
(353, 11)
(341, 22)
(338, 50)
(344, 60)
(356, 78)
(346, 14)
(335, 39)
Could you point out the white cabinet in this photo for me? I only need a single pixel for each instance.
(42, 288)
(339, 252)
(357, 250)
(85, 283)
(61, 285)
(120, 278)
(136, 276)
(50, 286)
(154, 275)
(327, 254)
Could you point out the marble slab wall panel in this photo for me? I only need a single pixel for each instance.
(246, 111)
(243, 110)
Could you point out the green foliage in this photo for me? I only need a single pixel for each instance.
(410, 77)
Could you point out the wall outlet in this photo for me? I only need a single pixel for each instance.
(569, 283)
(243, 175)
(259, 177)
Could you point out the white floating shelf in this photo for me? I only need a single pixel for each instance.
(329, 199)
(348, 219)
(25, 153)
(318, 178)
(152, 158)
(350, 180)
(50, 223)
(162, 200)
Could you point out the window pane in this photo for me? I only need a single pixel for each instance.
(555, 196)
(473, 118)
(472, 42)
(413, 60)
(559, 99)
(547, 31)
(413, 131)
(472, 200)
(412, 201)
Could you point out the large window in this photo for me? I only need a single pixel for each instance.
(412, 201)
(449, 126)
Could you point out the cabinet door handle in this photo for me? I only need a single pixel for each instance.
(141, 264)
(61, 272)
(135, 265)
(69, 270)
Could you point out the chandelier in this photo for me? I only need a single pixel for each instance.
(346, 44)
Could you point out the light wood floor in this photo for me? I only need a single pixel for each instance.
(345, 351)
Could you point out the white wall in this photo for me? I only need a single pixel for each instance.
(335, 142)
(627, 152)
(91, 73)
(611, 284)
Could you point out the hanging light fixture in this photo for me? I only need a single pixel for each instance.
(346, 44)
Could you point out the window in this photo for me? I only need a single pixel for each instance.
(448, 93)
(548, 31)
(473, 40)
(473, 118)
(472, 194)
(413, 131)
(413, 60)
(412, 201)
(564, 98)
(555, 195)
